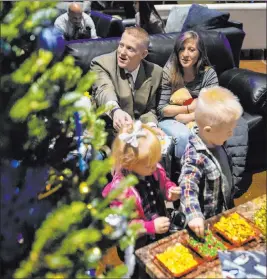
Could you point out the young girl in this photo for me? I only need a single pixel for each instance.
(137, 150)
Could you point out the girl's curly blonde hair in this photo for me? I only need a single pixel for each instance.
(147, 153)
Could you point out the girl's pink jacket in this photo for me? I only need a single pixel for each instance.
(165, 185)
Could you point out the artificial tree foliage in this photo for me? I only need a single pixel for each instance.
(44, 121)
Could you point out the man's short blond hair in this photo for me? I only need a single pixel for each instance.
(139, 33)
(217, 105)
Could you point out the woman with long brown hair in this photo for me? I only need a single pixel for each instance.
(188, 67)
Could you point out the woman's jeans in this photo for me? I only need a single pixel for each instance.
(179, 132)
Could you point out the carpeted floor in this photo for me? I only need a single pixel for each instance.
(257, 188)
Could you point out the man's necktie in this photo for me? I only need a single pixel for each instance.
(76, 33)
(131, 82)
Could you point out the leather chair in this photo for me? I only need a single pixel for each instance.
(249, 86)
(251, 89)
(106, 25)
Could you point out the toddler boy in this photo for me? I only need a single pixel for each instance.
(206, 176)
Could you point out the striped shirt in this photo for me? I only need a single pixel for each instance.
(207, 78)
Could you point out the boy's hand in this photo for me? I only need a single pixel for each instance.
(197, 226)
(174, 193)
(161, 224)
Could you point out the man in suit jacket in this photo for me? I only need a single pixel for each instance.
(131, 97)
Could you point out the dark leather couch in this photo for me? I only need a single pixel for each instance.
(108, 26)
(249, 86)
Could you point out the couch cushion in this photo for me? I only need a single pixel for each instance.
(85, 50)
(204, 17)
(160, 48)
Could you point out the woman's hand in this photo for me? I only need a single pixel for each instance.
(161, 224)
(192, 106)
(185, 118)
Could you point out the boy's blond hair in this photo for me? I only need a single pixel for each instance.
(140, 34)
(147, 153)
(217, 105)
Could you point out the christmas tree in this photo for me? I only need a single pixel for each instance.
(47, 124)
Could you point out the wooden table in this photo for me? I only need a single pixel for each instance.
(207, 269)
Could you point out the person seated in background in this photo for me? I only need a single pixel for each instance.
(206, 179)
(127, 83)
(75, 24)
(148, 18)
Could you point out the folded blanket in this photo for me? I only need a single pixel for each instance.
(200, 17)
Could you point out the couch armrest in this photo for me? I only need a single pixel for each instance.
(235, 37)
(233, 23)
(107, 25)
(249, 86)
(127, 22)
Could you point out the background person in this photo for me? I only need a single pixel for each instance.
(148, 18)
(75, 24)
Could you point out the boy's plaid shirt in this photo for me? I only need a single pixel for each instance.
(205, 189)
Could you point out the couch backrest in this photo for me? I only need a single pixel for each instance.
(161, 46)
